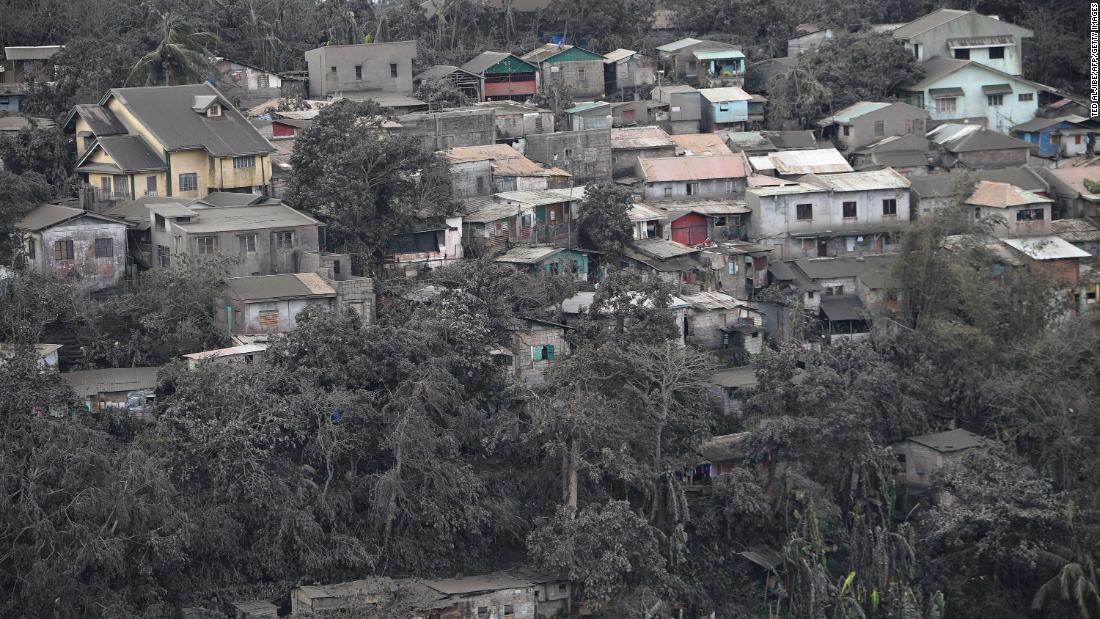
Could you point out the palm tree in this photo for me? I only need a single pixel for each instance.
(182, 56)
(1076, 580)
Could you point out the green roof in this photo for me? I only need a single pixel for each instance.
(574, 54)
(511, 64)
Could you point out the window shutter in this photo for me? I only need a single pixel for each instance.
(549, 352)
(536, 353)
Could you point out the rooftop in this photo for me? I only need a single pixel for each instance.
(218, 353)
(662, 249)
(853, 111)
(952, 440)
(1003, 195)
(799, 162)
(958, 138)
(48, 215)
(927, 22)
(702, 144)
(255, 217)
(715, 301)
(111, 380)
(528, 255)
(727, 93)
(31, 52)
(671, 169)
(1046, 248)
(618, 55)
(1075, 230)
(842, 307)
(265, 287)
(724, 448)
(640, 137)
(735, 377)
(1039, 123)
(858, 181)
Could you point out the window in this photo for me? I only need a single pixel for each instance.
(849, 210)
(804, 212)
(996, 53)
(809, 246)
(561, 588)
(889, 207)
(720, 221)
(358, 71)
(122, 186)
(1026, 96)
(568, 152)
(580, 74)
(509, 609)
(269, 318)
(480, 184)
(248, 243)
(164, 255)
(544, 352)
(150, 185)
(104, 248)
(335, 267)
(692, 189)
(207, 245)
(214, 110)
(834, 290)
(668, 192)
(332, 69)
(731, 267)
(189, 181)
(31, 248)
(916, 50)
(158, 221)
(962, 54)
(995, 100)
(62, 250)
(880, 128)
(393, 69)
(284, 240)
(946, 104)
(248, 161)
(809, 294)
(723, 107)
(729, 187)
(1029, 214)
(847, 130)
(482, 612)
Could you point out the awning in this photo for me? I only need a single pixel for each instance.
(940, 93)
(842, 308)
(1000, 40)
(997, 89)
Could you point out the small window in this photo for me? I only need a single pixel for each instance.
(269, 318)
(731, 267)
(189, 181)
(393, 69)
(901, 458)
(946, 104)
(580, 73)
(561, 588)
(809, 294)
(849, 210)
(335, 267)
(542, 353)
(206, 245)
(729, 187)
(480, 184)
(284, 240)
(164, 255)
(358, 71)
(889, 207)
(150, 185)
(880, 128)
(995, 100)
(62, 250)
(720, 221)
(568, 152)
(32, 248)
(668, 192)
(104, 248)
(248, 161)
(804, 212)
(847, 130)
(1030, 214)
(482, 612)
(962, 54)
(214, 110)
(332, 69)
(509, 610)
(248, 243)
(996, 53)
(1026, 96)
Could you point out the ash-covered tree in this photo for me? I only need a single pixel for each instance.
(604, 24)
(19, 195)
(45, 150)
(441, 93)
(83, 71)
(182, 55)
(604, 220)
(865, 66)
(364, 181)
(796, 99)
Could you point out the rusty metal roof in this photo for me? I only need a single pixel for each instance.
(1003, 195)
(668, 169)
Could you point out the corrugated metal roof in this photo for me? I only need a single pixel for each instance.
(842, 307)
(725, 448)
(171, 209)
(256, 217)
(678, 45)
(544, 52)
(858, 181)
(618, 55)
(706, 206)
(746, 139)
(1075, 230)
(717, 54)
(1038, 123)
(783, 190)
(296, 285)
(726, 93)
(244, 349)
(587, 106)
(640, 137)
(484, 61)
(952, 440)
(715, 301)
(935, 19)
(670, 169)
(528, 255)
(384, 99)
(643, 212)
(702, 144)
(1046, 248)
(536, 197)
(1003, 195)
(791, 140)
(31, 52)
(48, 215)
(490, 152)
(662, 249)
(854, 111)
(957, 138)
(111, 380)
(812, 161)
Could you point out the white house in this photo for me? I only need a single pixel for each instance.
(966, 35)
(964, 89)
(831, 214)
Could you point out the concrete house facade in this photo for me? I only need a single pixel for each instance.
(504, 77)
(20, 65)
(831, 214)
(516, 121)
(668, 178)
(703, 63)
(1018, 212)
(867, 122)
(629, 144)
(86, 248)
(362, 68)
(966, 35)
(625, 71)
(584, 154)
(955, 89)
(271, 303)
(579, 69)
(183, 141)
(729, 107)
(450, 128)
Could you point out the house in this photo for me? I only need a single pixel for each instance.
(737, 268)
(668, 261)
(842, 317)
(484, 170)
(349, 597)
(267, 236)
(791, 164)
(543, 217)
(247, 85)
(956, 90)
(716, 321)
(19, 66)
(665, 178)
(577, 307)
(535, 346)
(469, 84)
(580, 70)
(180, 141)
(1057, 259)
(255, 609)
(703, 63)
(515, 121)
(693, 144)
(584, 154)
(431, 243)
(729, 107)
(1081, 233)
(1062, 136)
(45, 353)
(704, 220)
(752, 143)
(791, 140)
(635, 113)
(867, 122)
(86, 248)
(450, 128)
(589, 115)
(271, 303)
(936, 191)
(921, 456)
(685, 108)
(831, 214)
(1017, 212)
(243, 354)
(550, 260)
(629, 144)
(361, 70)
(817, 279)
(732, 386)
(128, 390)
(647, 222)
(490, 226)
(975, 147)
(1076, 190)
(908, 154)
(625, 71)
(504, 77)
(966, 35)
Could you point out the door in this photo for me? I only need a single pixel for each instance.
(691, 229)
(822, 247)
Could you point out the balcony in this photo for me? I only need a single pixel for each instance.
(99, 199)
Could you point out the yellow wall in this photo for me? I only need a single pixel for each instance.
(228, 177)
(82, 143)
(195, 160)
(133, 126)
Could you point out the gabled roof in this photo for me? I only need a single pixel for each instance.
(952, 440)
(948, 184)
(717, 54)
(49, 215)
(671, 169)
(1003, 195)
(265, 287)
(256, 217)
(31, 52)
(858, 181)
(1046, 248)
(483, 62)
(938, 67)
(1075, 230)
(702, 144)
(1038, 123)
(168, 112)
(842, 307)
(438, 71)
(791, 140)
(923, 24)
(853, 111)
(544, 52)
(957, 138)
(726, 93)
(528, 255)
(101, 120)
(678, 45)
(131, 153)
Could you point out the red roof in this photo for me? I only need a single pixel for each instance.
(666, 169)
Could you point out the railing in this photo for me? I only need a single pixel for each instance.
(94, 198)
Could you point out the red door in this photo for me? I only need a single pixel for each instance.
(691, 229)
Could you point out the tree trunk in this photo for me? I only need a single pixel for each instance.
(573, 456)
(391, 501)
